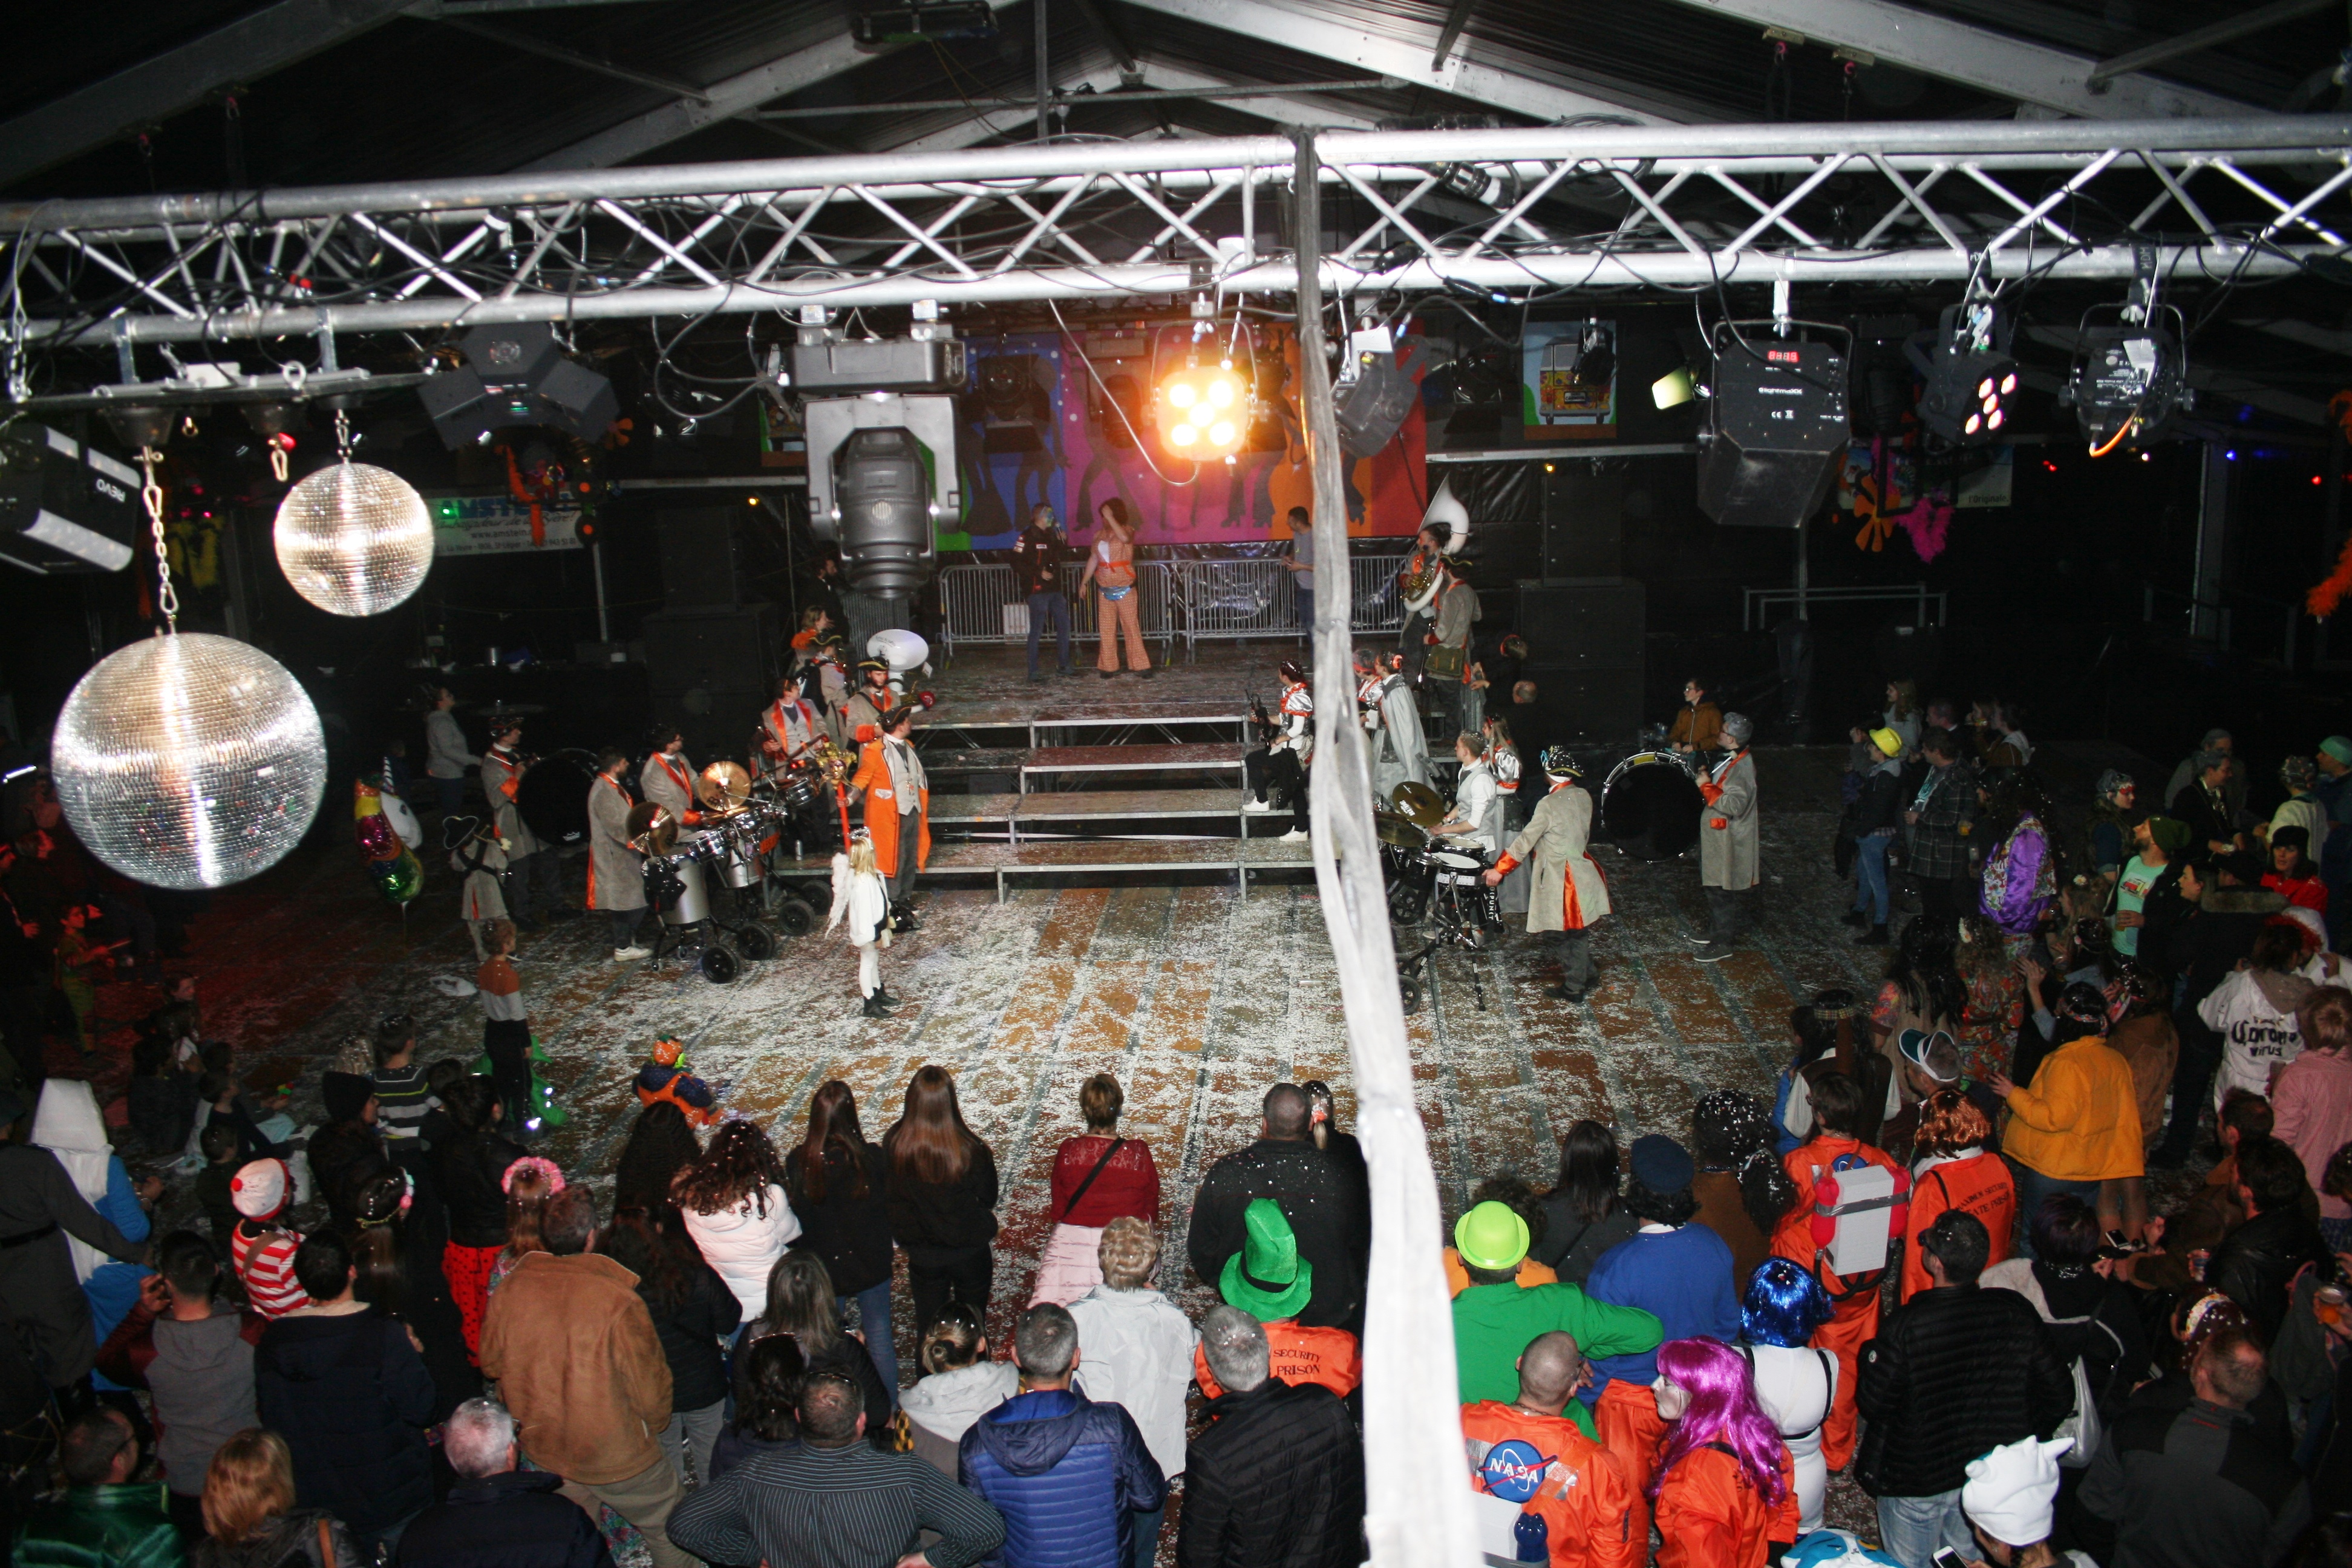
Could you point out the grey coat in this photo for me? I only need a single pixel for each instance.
(1554, 843)
(497, 767)
(1399, 751)
(1730, 839)
(40, 1298)
(617, 875)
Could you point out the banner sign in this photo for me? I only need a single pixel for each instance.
(497, 525)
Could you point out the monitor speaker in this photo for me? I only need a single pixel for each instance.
(1776, 430)
(1582, 622)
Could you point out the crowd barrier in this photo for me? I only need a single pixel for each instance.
(1183, 602)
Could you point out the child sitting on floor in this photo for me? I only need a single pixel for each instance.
(222, 1158)
(666, 1078)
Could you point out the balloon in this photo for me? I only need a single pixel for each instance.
(400, 878)
(403, 817)
(377, 840)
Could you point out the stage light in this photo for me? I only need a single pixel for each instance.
(1193, 401)
(1970, 376)
(2131, 376)
(516, 374)
(1673, 389)
(2230, 456)
(353, 539)
(64, 506)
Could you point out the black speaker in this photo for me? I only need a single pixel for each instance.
(1373, 406)
(1579, 707)
(1582, 622)
(1583, 520)
(698, 564)
(1776, 429)
(712, 672)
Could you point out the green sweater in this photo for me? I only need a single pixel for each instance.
(1493, 1323)
(100, 1527)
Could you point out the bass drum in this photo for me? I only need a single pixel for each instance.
(1650, 805)
(552, 797)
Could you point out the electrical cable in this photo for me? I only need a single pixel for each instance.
(1143, 451)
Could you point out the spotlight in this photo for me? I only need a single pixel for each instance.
(1202, 410)
(1970, 378)
(1674, 389)
(2131, 375)
(64, 506)
(517, 374)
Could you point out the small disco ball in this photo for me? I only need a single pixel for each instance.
(354, 539)
(189, 761)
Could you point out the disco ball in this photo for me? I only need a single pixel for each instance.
(354, 539)
(190, 761)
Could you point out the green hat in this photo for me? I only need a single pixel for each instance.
(2339, 747)
(2171, 833)
(1491, 1236)
(1267, 1279)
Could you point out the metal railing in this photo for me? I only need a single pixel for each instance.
(2220, 615)
(1758, 602)
(1188, 601)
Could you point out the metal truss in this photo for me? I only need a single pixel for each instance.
(1548, 213)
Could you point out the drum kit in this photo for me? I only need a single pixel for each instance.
(1434, 878)
(684, 866)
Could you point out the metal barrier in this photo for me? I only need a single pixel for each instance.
(1186, 601)
(1758, 602)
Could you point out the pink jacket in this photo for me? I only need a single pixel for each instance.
(2313, 1099)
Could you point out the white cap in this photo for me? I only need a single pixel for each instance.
(259, 1190)
(2010, 1491)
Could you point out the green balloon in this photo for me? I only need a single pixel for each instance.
(401, 879)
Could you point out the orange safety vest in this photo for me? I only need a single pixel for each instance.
(1332, 1357)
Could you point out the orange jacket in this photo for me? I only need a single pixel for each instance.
(1979, 1184)
(1328, 1356)
(882, 808)
(1806, 1165)
(2079, 1120)
(1711, 1515)
(1583, 1500)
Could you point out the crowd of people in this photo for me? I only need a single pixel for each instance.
(1928, 1261)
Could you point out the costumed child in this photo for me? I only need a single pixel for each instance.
(506, 1024)
(665, 1077)
(860, 894)
(478, 856)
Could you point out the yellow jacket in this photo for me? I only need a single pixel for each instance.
(2079, 1120)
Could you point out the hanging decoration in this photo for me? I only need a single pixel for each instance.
(389, 862)
(539, 478)
(187, 760)
(1877, 486)
(353, 539)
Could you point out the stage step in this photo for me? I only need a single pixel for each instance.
(1130, 759)
(1016, 813)
(1060, 858)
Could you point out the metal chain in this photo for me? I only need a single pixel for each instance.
(151, 492)
(343, 435)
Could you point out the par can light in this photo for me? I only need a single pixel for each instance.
(1201, 411)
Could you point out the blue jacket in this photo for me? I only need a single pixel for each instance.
(1066, 1474)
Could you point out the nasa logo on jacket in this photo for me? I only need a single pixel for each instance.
(1514, 1469)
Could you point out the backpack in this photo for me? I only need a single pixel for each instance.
(2084, 1426)
(1858, 1211)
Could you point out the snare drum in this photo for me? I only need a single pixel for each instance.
(1456, 865)
(693, 905)
(1650, 805)
(737, 854)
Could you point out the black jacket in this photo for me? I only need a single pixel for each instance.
(1954, 1374)
(471, 1166)
(350, 1396)
(344, 1154)
(852, 1233)
(1037, 558)
(2194, 1486)
(1274, 1480)
(2207, 823)
(2255, 1265)
(288, 1539)
(933, 1218)
(2209, 937)
(690, 1334)
(1326, 1210)
(848, 1357)
(512, 1520)
(1880, 803)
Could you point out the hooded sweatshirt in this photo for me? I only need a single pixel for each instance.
(948, 1403)
(1068, 1474)
(70, 1125)
(742, 1244)
(202, 1377)
(2254, 1011)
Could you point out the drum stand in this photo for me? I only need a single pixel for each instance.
(1456, 927)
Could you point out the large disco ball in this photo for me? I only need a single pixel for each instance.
(354, 539)
(189, 761)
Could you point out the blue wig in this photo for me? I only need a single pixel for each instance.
(1785, 1304)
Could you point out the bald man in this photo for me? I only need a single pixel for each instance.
(1588, 1510)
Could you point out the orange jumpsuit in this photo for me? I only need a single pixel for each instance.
(1328, 1356)
(1583, 1500)
(1855, 1297)
(882, 811)
(1627, 1421)
(1979, 1184)
(1710, 1514)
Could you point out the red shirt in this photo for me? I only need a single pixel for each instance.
(266, 1264)
(1129, 1184)
(2307, 892)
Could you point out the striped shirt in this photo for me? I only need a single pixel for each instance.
(851, 1507)
(402, 1100)
(266, 1264)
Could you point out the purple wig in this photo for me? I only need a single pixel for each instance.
(1723, 1409)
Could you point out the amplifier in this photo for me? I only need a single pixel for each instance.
(1581, 622)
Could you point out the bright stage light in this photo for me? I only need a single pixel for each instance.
(1203, 411)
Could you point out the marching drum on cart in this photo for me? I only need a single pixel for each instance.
(1433, 879)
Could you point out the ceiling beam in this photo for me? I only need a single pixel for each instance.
(271, 39)
(528, 45)
(2261, 19)
(1977, 57)
(721, 101)
(1407, 59)
(1098, 87)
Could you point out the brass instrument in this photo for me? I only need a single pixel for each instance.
(830, 761)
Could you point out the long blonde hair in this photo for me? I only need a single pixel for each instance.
(861, 858)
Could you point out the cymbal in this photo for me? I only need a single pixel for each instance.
(725, 786)
(1397, 831)
(648, 818)
(1418, 803)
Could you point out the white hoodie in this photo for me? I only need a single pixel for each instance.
(741, 1245)
(946, 1403)
(2257, 1024)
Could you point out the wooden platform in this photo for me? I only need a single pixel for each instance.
(1015, 812)
(1128, 760)
(1065, 857)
